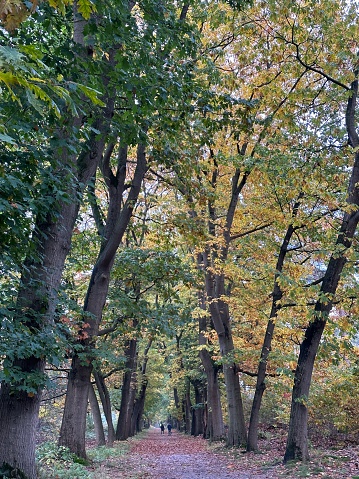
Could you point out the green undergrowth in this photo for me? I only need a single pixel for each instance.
(57, 462)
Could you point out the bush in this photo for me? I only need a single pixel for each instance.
(60, 463)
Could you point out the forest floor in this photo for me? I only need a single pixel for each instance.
(155, 456)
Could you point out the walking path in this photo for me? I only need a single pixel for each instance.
(160, 456)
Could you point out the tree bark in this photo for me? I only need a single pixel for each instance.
(73, 427)
(126, 407)
(187, 406)
(118, 218)
(297, 441)
(106, 406)
(176, 398)
(19, 419)
(252, 443)
(236, 435)
(97, 420)
(138, 408)
(132, 402)
(215, 425)
(197, 426)
(139, 404)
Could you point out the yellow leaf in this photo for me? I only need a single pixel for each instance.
(86, 8)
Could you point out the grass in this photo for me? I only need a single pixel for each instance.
(100, 454)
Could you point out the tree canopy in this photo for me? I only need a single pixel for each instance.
(179, 206)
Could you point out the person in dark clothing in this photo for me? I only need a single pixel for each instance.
(162, 428)
(169, 427)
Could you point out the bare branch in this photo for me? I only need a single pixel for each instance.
(248, 232)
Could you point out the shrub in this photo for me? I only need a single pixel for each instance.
(60, 463)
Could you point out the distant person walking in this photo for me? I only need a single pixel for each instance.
(162, 428)
(169, 427)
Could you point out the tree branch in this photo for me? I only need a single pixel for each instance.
(253, 230)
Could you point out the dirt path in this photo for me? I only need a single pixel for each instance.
(177, 456)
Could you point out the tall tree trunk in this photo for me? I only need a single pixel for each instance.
(215, 425)
(252, 443)
(139, 407)
(97, 420)
(210, 261)
(19, 420)
(73, 426)
(197, 426)
(126, 407)
(297, 441)
(236, 428)
(38, 296)
(139, 404)
(118, 218)
(236, 435)
(176, 398)
(106, 406)
(187, 406)
(131, 404)
(205, 415)
(178, 408)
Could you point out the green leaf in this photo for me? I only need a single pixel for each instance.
(7, 139)
(86, 8)
(91, 93)
(10, 55)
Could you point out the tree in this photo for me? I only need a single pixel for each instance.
(297, 442)
(139, 403)
(141, 93)
(267, 342)
(34, 312)
(242, 124)
(214, 416)
(73, 427)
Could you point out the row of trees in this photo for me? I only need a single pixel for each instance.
(184, 171)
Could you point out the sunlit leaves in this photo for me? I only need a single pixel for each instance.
(14, 12)
(25, 72)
